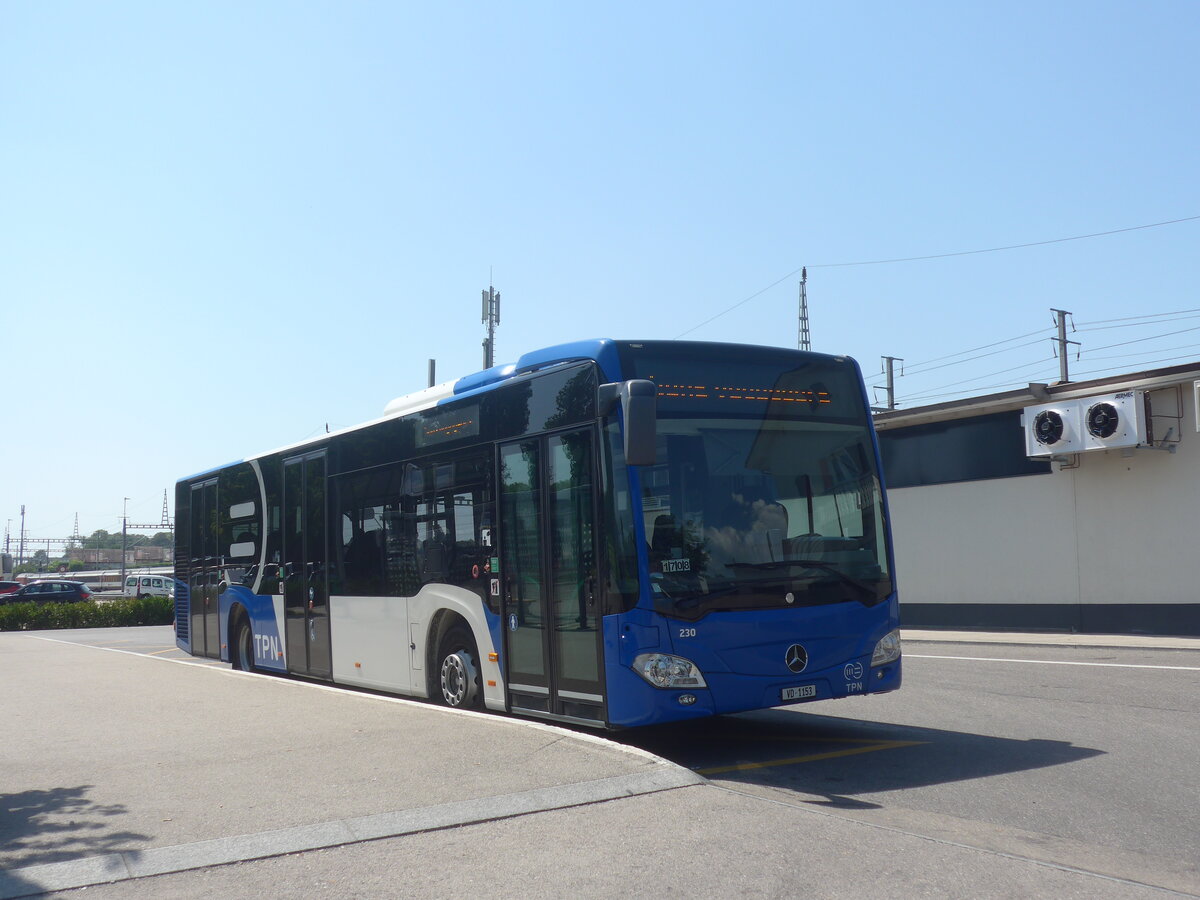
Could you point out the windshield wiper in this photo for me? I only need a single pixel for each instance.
(810, 564)
(689, 595)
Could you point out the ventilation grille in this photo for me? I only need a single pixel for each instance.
(182, 619)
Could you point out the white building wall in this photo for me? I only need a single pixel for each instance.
(1004, 540)
(1114, 530)
(1137, 517)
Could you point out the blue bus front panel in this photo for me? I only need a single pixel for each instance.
(754, 659)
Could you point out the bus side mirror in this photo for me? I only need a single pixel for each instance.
(639, 402)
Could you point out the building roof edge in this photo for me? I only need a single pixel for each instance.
(1036, 393)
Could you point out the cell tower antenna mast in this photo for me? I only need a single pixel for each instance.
(805, 340)
(491, 316)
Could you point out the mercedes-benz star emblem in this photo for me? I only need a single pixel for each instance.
(796, 658)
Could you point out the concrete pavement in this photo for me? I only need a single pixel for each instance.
(118, 766)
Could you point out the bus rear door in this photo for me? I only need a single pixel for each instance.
(205, 571)
(305, 576)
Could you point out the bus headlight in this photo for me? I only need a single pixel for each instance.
(665, 671)
(887, 650)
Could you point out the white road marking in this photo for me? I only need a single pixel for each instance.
(1053, 662)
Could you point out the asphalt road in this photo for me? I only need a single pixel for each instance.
(1084, 757)
(997, 771)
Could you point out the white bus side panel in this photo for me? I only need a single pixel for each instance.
(369, 636)
(424, 606)
(372, 640)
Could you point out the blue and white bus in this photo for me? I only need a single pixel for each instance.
(609, 533)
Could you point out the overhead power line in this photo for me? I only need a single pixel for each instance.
(1147, 357)
(1077, 237)
(966, 381)
(1134, 319)
(1141, 354)
(1133, 323)
(741, 302)
(959, 362)
(1016, 384)
(975, 349)
(1152, 337)
(902, 259)
(1190, 357)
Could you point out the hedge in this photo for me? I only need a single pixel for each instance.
(87, 614)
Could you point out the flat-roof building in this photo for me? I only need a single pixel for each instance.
(1072, 507)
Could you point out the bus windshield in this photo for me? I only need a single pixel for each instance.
(766, 492)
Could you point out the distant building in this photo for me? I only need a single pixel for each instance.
(1010, 512)
(153, 554)
(92, 556)
(142, 555)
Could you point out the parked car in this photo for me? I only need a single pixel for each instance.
(49, 592)
(7, 587)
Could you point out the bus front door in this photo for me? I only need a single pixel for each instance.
(553, 661)
(305, 577)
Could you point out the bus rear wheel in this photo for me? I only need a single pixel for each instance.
(243, 646)
(458, 670)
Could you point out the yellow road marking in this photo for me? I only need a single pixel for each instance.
(812, 757)
(168, 650)
(792, 739)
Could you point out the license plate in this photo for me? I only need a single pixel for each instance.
(799, 693)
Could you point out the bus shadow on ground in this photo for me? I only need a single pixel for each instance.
(839, 759)
(48, 826)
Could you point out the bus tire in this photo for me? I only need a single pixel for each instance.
(457, 676)
(243, 646)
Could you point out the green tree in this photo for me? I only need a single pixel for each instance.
(102, 540)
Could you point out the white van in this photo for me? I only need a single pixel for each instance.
(149, 586)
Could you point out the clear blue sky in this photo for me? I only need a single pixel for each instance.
(224, 225)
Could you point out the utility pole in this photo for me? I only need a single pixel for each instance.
(1062, 342)
(491, 316)
(124, 531)
(889, 368)
(432, 372)
(21, 551)
(805, 341)
(166, 519)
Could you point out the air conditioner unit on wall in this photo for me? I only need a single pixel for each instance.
(1053, 429)
(1109, 422)
(1114, 420)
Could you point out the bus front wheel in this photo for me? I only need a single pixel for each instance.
(458, 670)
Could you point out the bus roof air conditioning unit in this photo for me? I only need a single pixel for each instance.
(1114, 421)
(1052, 429)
